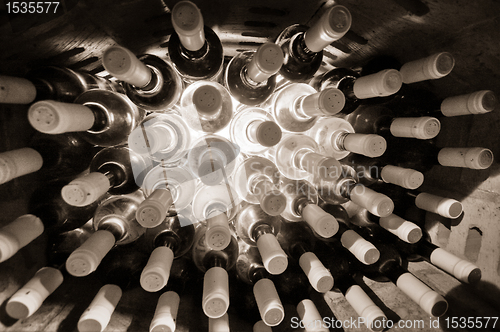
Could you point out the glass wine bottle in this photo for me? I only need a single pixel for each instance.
(19, 233)
(215, 264)
(102, 118)
(214, 206)
(303, 47)
(298, 157)
(337, 139)
(250, 270)
(149, 82)
(169, 240)
(254, 130)
(257, 228)
(166, 189)
(52, 156)
(194, 49)
(206, 106)
(251, 76)
(255, 180)
(117, 170)
(114, 224)
(299, 242)
(302, 205)
(297, 106)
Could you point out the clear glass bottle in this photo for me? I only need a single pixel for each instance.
(215, 264)
(303, 47)
(298, 157)
(297, 106)
(169, 240)
(254, 130)
(167, 189)
(114, 224)
(214, 206)
(250, 270)
(206, 106)
(256, 181)
(337, 138)
(117, 170)
(149, 82)
(251, 76)
(194, 49)
(302, 205)
(101, 117)
(164, 138)
(212, 159)
(259, 229)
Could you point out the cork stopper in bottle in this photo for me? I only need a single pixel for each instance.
(382, 84)
(327, 102)
(363, 250)
(461, 269)
(424, 127)
(403, 229)
(323, 223)
(215, 292)
(153, 210)
(404, 177)
(268, 301)
(366, 308)
(446, 207)
(432, 67)
(218, 234)
(369, 145)
(53, 117)
(273, 257)
(266, 61)
(125, 66)
(19, 162)
(16, 90)
(166, 313)
(155, 274)
(18, 234)
(309, 313)
(332, 26)
(261, 326)
(86, 189)
(478, 102)
(377, 203)
(98, 314)
(474, 158)
(188, 24)
(320, 278)
(207, 100)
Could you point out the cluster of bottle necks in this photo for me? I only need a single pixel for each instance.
(188, 157)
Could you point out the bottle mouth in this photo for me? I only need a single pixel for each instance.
(207, 99)
(485, 158)
(186, 18)
(444, 63)
(273, 203)
(489, 101)
(331, 101)
(43, 116)
(268, 133)
(339, 19)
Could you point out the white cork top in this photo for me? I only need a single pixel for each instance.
(268, 301)
(19, 162)
(432, 67)
(403, 229)
(309, 313)
(153, 210)
(16, 90)
(220, 324)
(377, 203)
(266, 61)
(320, 278)
(273, 202)
(366, 308)
(215, 292)
(323, 223)
(18, 234)
(188, 24)
(478, 102)
(446, 207)
(98, 314)
(207, 99)
(124, 65)
(53, 117)
(165, 314)
(404, 177)
(218, 233)
(363, 250)
(424, 127)
(155, 274)
(382, 84)
(260, 326)
(86, 189)
(369, 145)
(332, 26)
(461, 269)
(474, 158)
(273, 257)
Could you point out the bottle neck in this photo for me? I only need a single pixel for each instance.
(166, 239)
(297, 249)
(197, 54)
(115, 226)
(260, 230)
(300, 203)
(299, 48)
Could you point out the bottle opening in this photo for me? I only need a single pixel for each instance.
(273, 203)
(268, 133)
(392, 82)
(186, 17)
(207, 99)
(431, 128)
(489, 101)
(340, 19)
(445, 63)
(331, 100)
(269, 58)
(117, 61)
(485, 158)
(43, 117)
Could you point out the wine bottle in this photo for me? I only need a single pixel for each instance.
(114, 224)
(375, 171)
(298, 241)
(309, 314)
(19, 233)
(254, 130)
(194, 49)
(297, 106)
(359, 247)
(52, 156)
(169, 240)
(117, 170)
(215, 264)
(161, 137)
(298, 157)
(251, 76)
(214, 206)
(347, 188)
(250, 270)
(337, 139)
(257, 228)
(390, 268)
(382, 121)
(167, 189)
(255, 181)
(50, 82)
(212, 158)
(98, 314)
(302, 205)
(206, 106)
(303, 47)
(102, 118)
(149, 82)
(359, 89)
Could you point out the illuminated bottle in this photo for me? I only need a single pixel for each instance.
(194, 49)
(102, 118)
(303, 47)
(206, 106)
(250, 270)
(298, 157)
(117, 170)
(255, 180)
(51, 156)
(336, 138)
(171, 239)
(114, 224)
(149, 82)
(254, 130)
(164, 138)
(214, 206)
(19, 233)
(98, 314)
(257, 228)
(166, 189)
(299, 242)
(215, 264)
(297, 106)
(302, 205)
(251, 76)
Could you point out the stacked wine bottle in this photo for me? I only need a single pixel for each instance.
(286, 189)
